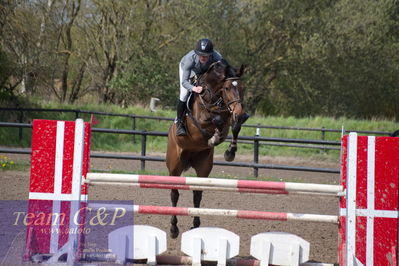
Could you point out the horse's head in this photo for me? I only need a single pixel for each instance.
(215, 75)
(233, 92)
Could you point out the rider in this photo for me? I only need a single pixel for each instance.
(194, 63)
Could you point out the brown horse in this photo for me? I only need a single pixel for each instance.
(213, 112)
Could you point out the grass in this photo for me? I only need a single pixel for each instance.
(7, 164)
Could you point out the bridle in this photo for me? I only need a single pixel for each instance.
(212, 106)
(213, 103)
(216, 103)
(235, 100)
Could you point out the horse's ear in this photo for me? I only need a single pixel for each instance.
(240, 72)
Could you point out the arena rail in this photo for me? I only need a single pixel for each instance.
(143, 157)
(77, 113)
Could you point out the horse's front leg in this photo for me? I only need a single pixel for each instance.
(203, 167)
(174, 230)
(230, 153)
(197, 197)
(215, 139)
(219, 136)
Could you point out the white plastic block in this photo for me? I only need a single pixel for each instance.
(141, 242)
(211, 244)
(279, 248)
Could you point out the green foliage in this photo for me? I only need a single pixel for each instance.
(135, 85)
(304, 58)
(4, 68)
(7, 94)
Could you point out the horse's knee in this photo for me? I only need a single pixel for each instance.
(215, 139)
(217, 121)
(243, 118)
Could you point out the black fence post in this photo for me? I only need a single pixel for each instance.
(256, 152)
(21, 120)
(143, 149)
(77, 112)
(323, 136)
(134, 128)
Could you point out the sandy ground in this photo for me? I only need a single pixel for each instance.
(322, 236)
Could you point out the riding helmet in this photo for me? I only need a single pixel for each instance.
(204, 47)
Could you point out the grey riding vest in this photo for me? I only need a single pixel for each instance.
(190, 66)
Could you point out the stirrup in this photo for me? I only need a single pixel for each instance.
(180, 129)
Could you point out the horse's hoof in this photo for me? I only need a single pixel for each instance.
(229, 156)
(174, 232)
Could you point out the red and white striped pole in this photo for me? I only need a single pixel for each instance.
(239, 185)
(209, 188)
(240, 214)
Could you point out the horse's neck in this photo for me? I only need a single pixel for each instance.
(211, 83)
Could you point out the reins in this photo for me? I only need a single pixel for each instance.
(213, 107)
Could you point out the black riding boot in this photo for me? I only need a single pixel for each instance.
(181, 110)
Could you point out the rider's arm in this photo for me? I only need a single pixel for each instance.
(185, 67)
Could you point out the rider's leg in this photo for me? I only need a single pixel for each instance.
(181, 111)
(181, 106)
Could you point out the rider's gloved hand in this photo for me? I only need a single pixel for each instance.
(197, 89)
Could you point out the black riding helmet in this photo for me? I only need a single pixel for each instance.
(204, 47)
